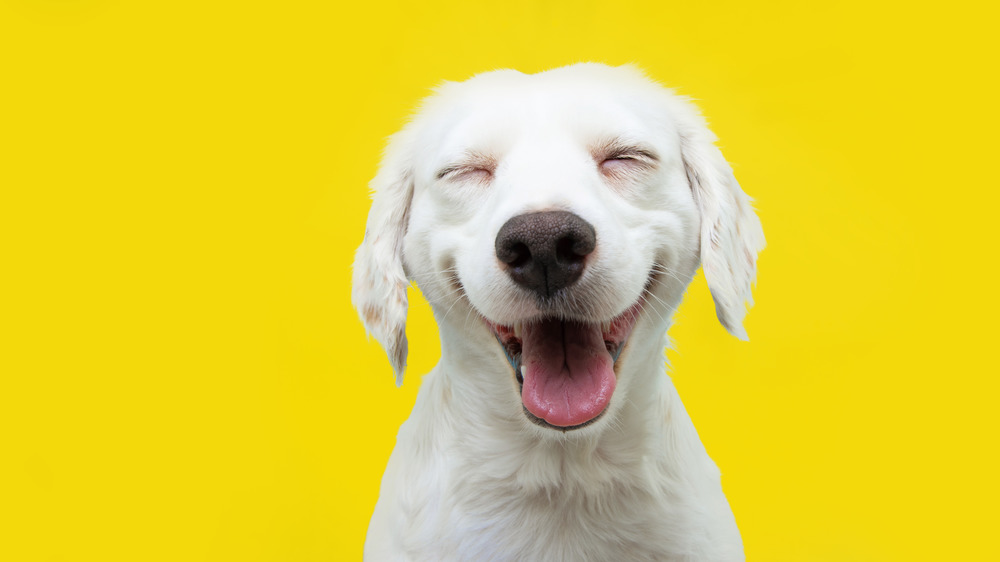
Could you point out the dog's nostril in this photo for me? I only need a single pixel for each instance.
(516, 255)
(519, 255)
(570, 249)
(545, 251)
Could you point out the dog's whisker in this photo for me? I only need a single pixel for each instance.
(670, 310)
(659, 268)
(448, 311)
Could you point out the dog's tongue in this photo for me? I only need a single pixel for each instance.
(568, 373)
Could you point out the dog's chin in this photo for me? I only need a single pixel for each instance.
(566, 370)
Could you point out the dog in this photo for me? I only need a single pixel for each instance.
(553, 221)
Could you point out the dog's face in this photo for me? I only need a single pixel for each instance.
(556, 217)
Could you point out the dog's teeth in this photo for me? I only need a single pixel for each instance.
(517, 329)
(522, 371)
(605, 327)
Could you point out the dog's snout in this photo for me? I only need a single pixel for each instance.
(545, 251)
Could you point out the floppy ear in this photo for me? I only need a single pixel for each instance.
(379, 284)
(731, 235)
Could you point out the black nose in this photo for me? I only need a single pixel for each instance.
(545, 251)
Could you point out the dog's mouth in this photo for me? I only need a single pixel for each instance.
(565, 369)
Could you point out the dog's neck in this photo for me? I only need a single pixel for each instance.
(507, 452)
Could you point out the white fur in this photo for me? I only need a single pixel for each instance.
(471, 478)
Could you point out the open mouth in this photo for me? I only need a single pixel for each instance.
(565, 369)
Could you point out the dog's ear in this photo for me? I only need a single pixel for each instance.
(731, 235)
(380, 283)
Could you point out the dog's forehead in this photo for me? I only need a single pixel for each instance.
(583, 104)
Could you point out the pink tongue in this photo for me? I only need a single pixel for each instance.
(569, 375)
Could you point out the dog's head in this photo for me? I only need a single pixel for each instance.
(557, 217)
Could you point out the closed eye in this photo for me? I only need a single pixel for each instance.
(618, 148)
(474, 166)
(617, 161)
(465, 172)
(639, 154)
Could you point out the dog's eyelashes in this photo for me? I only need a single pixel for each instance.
(621, 157)
(619, 160)
(461, 173)
(466, 174)
(622, 164)
(623, 149)
(472, 166)
(445, 173)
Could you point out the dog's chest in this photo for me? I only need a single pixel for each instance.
(507, 524)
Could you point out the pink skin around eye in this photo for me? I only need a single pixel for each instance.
(472, 174)
(612, 165)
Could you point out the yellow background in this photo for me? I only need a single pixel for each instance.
(184, 183)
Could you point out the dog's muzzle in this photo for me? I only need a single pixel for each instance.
(565, 369)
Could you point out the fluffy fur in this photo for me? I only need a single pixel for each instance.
(471, 478)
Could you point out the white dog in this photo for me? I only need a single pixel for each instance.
(553, 221)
